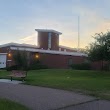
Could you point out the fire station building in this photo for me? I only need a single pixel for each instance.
(48, 51)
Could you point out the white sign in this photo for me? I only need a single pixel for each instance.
(2, 61)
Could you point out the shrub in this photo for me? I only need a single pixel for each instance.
(106, 67)
(14, 67)
(37, 66)
(82, 66)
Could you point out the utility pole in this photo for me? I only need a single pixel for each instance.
(78, 32)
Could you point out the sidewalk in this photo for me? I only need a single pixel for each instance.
(41, 98)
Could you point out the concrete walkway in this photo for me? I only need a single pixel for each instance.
(9, 81)
(41, 98)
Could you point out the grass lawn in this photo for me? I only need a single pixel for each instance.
(9, 105)
(89, 82)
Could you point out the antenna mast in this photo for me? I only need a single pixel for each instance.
(78, 32)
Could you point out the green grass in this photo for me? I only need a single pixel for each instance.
(9, 105)
(95, 83)
(3, 73)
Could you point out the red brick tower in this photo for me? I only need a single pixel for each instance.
(48, 39)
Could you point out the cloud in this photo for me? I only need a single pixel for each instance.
(31, 39)
(63, 18)
(91, 22)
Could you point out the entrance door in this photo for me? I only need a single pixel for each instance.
(70, 61)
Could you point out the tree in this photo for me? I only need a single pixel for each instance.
(100, 49)
(21, 59)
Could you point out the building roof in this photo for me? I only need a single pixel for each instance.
(49, 51)
(19, 45)
(48, 30)
(74, 49)
(34, 48)
(68, 48)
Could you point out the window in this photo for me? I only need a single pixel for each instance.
(49, 40)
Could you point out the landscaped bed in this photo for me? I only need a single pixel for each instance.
(9, 105)
(95, 83)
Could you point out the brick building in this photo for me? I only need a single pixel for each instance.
(48, 51)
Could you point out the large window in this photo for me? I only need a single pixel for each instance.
(49, 40)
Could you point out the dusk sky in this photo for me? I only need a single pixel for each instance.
(20, 18)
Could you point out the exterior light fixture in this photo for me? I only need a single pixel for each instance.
(37, 56)
(9, 55)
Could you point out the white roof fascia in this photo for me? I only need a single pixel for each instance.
(16, 44)
(49, 51)
(3, 53)
(48, 30)
(67, 47)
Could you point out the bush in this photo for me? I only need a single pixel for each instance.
(106, 67)
(82, 66)
(14, 67)
(3, 68)
(37, 66)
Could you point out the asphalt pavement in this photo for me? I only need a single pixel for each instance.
(42, 98)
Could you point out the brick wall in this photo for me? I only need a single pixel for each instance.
(59, 61)
(43, 40)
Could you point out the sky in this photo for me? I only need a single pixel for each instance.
(20, 18)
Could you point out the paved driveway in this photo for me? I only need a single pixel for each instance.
(41, 98)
